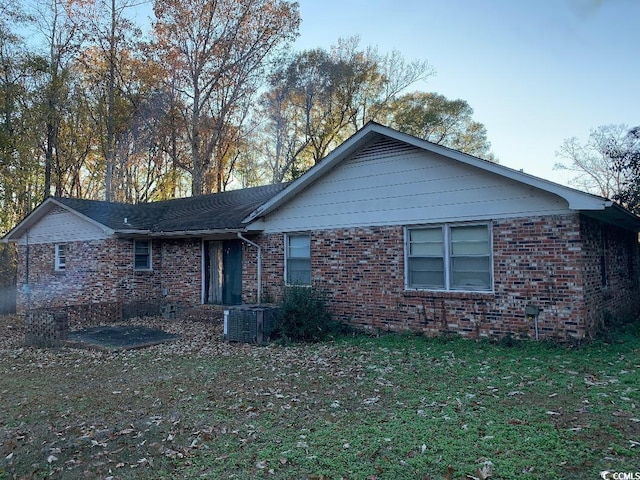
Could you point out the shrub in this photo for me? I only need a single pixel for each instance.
(303, 315)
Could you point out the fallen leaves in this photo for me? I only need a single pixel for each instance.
(283, 411)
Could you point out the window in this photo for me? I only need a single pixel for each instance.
(60, 258)
(298, 260)
(449, 257)
(142, 254)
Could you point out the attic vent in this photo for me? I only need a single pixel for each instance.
(384, 148)
(250, 323)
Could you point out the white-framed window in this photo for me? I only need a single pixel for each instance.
(298, 259)
(449, 257)
(142, 254)
(60, 257)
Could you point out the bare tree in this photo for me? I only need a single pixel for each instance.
(318, 98)
(591, 161)
(626, 161)
(216, 51)
(111, 64)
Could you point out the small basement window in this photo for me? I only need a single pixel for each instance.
(142, 254)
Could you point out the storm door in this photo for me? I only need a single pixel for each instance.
(223, 272)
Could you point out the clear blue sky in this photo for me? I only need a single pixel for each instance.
(534, 71)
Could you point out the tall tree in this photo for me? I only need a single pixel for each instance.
(435, 118)
(626, 158)
(111, 67)
(317, 98)
(16, 159)
(592, 163)
(61, 34)
(217, 51)
(19, 170)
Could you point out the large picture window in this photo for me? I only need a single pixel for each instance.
(142, 254)
(449, 257)
(298, 260)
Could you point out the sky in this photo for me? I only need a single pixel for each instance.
(535, 72)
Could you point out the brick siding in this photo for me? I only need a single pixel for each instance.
(542, 262)
(617, 293)
(101, 271)
(553, 263)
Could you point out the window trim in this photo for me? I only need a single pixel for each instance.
(447, 257)
(149, 255)
(60, 266)
(287, 236)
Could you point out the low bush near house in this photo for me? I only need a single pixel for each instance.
(304, 316)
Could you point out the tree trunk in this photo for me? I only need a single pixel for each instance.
(110, 140)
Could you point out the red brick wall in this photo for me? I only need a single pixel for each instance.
(102, 271)
(617, 293)
(94, 273)
(181, 271)
(537, 262)
(553, 263)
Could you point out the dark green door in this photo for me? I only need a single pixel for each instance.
(232, 272)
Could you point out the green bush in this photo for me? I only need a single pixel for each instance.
(303, 315)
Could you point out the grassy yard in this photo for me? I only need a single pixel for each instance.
(392, 407)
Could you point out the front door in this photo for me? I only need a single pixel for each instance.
(231, 272)
(223, 272)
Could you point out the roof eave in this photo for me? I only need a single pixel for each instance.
(617, 215)
(178, 233)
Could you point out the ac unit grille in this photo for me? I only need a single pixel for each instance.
(250, 324)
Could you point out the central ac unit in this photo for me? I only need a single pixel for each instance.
(250, 323)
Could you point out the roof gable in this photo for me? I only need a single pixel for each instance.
(205, 213)
(373, 134)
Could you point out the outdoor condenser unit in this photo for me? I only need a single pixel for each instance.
(249, 323)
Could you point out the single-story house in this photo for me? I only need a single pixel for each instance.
(403, 234)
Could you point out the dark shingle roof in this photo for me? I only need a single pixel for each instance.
(216, 211)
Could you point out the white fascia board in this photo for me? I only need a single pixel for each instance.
(229, 232)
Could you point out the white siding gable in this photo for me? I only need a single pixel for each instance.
(62, 226)
(393, 183)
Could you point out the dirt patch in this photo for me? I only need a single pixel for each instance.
(119, 337)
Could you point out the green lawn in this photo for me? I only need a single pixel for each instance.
(392, 407)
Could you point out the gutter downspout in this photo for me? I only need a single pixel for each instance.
(259, 248)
